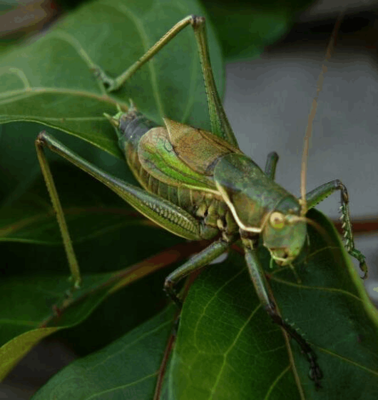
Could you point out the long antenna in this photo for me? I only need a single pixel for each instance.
(313, 109)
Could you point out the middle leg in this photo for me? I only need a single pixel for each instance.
(271, 165)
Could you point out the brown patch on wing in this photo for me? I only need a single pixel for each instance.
(197, 148)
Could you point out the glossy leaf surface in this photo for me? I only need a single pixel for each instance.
(130, 366)
(227, 347)
(227, 343)
(48, 81)
(39, 303)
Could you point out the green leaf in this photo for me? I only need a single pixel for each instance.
(29, 315)
(50, 81)
(40, 304)
(227, 347)
(130, 366)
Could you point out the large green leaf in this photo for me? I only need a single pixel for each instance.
(130, 367)
(37, 304)
(50, 81)
(227, 347)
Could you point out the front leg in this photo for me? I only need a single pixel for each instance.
(197, 262)
(319, 194)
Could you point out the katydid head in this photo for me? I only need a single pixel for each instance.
(284, 232)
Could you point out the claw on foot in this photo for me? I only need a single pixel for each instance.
(108, 83)
(315, 372)
(364, 269)
(170, 291)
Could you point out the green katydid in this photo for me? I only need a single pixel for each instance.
(200, 185)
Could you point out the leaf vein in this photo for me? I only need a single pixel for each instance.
(348, 360)
(124, 386)
(233, 344)
(274, 384)
(324, 289)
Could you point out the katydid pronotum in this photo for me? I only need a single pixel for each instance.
(200, 185)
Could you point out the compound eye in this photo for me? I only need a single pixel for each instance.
(277, 220)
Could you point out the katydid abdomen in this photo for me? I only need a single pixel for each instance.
(207, 206)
